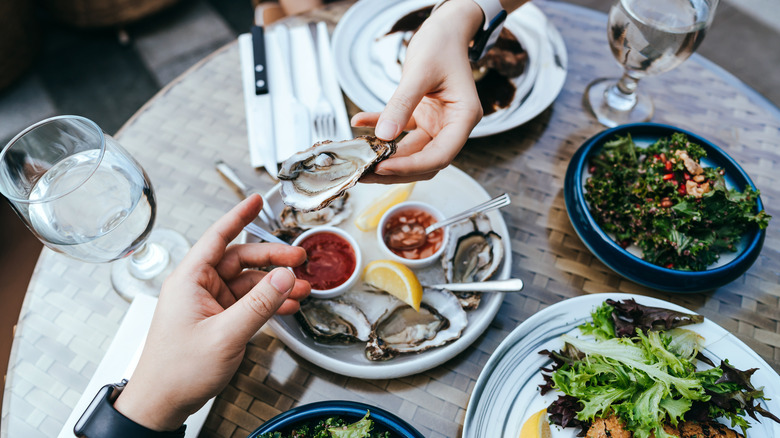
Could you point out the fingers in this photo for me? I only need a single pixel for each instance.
(255, 255)
(248, 315)
(368, 120)
(211, 246)
(373, 178)
(244, 283)
(399, 109)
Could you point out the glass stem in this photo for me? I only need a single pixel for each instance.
(621, 96)
(148, 261)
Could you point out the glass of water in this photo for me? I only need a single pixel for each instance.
(83, 195)
(646, 38)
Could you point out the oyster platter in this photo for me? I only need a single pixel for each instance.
(371, 334)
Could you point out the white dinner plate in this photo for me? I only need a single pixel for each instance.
(368, 71)
(451, 191)
(507, 390)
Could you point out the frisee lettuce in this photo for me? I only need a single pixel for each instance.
(648, 379)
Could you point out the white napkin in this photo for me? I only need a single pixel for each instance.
(120, 361)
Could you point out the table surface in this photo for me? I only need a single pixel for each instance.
(71, 313)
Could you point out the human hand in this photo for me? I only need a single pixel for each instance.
(436, 99)
(209, 308)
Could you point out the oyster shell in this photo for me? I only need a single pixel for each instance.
(313, 178)
(474, 253)
(335, 213)
(402, 330)
(333, 321)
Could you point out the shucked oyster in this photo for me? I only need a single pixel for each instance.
(332, 215)
(474, 253)
(313, 178)
(404, 330)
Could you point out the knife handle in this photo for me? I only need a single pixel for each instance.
(230, 175)
(261, 71)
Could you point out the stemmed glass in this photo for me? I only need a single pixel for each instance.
(646, 38)
(83, 195)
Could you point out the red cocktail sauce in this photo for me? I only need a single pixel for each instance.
(331, 261)
(410, 216)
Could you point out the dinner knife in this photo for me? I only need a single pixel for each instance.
(257, 100)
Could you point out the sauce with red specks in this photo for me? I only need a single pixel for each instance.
(331, 261)
(409, 217)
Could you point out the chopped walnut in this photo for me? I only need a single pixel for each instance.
(693, 167)
(694, 189)
(699, 178)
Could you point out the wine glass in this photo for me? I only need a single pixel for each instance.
(83, 195)
(646, 38)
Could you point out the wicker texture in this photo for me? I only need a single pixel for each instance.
(103, 13)
(19, 39)
(71, 313)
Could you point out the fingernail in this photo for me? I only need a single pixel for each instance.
(382, 171)
(282, 280)
(386, 130)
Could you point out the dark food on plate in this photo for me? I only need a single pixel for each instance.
(507, 59)
(680, 214)
(638, 378)
(332, 427)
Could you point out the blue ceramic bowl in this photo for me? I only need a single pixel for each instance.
(348, 410)
(631, 266)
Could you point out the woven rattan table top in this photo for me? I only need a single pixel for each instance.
(71, 313)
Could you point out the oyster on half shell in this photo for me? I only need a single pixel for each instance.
(335, 213)
(313, 178)
(474, 253)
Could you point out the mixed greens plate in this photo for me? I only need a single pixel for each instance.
(507, 392)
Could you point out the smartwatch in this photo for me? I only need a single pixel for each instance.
(487, 35)
(102, 420)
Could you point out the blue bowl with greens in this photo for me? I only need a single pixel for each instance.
(664, 207)
(349, 413)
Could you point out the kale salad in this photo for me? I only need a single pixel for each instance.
(332, 427)
(680, 214)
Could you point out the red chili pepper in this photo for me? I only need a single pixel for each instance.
(668, 176)
(670, 266)
(663, 157)
(668, 166)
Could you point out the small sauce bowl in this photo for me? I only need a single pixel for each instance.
(413, 211)
(333, 261)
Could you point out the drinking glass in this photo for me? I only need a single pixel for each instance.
(646, 38)
(83, 195)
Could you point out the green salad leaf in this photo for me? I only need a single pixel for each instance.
(642, 197)
(649, 379)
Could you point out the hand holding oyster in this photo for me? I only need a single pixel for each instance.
(314, 178)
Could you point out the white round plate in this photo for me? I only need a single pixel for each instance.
(507, 390)
(368, 71)
(451, 191)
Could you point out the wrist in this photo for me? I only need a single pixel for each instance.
(464, 16)
(151, 411)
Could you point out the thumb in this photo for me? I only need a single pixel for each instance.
(399, 109)
(247, 315)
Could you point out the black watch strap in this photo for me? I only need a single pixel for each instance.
(101, 420)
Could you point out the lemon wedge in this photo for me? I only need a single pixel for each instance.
(537, 426)
(395, 279)
(369, 218)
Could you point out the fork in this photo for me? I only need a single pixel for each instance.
(324, 120)
(323, 114)
(256, 231)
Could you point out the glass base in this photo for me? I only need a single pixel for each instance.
(128, 285)
(612, 108)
